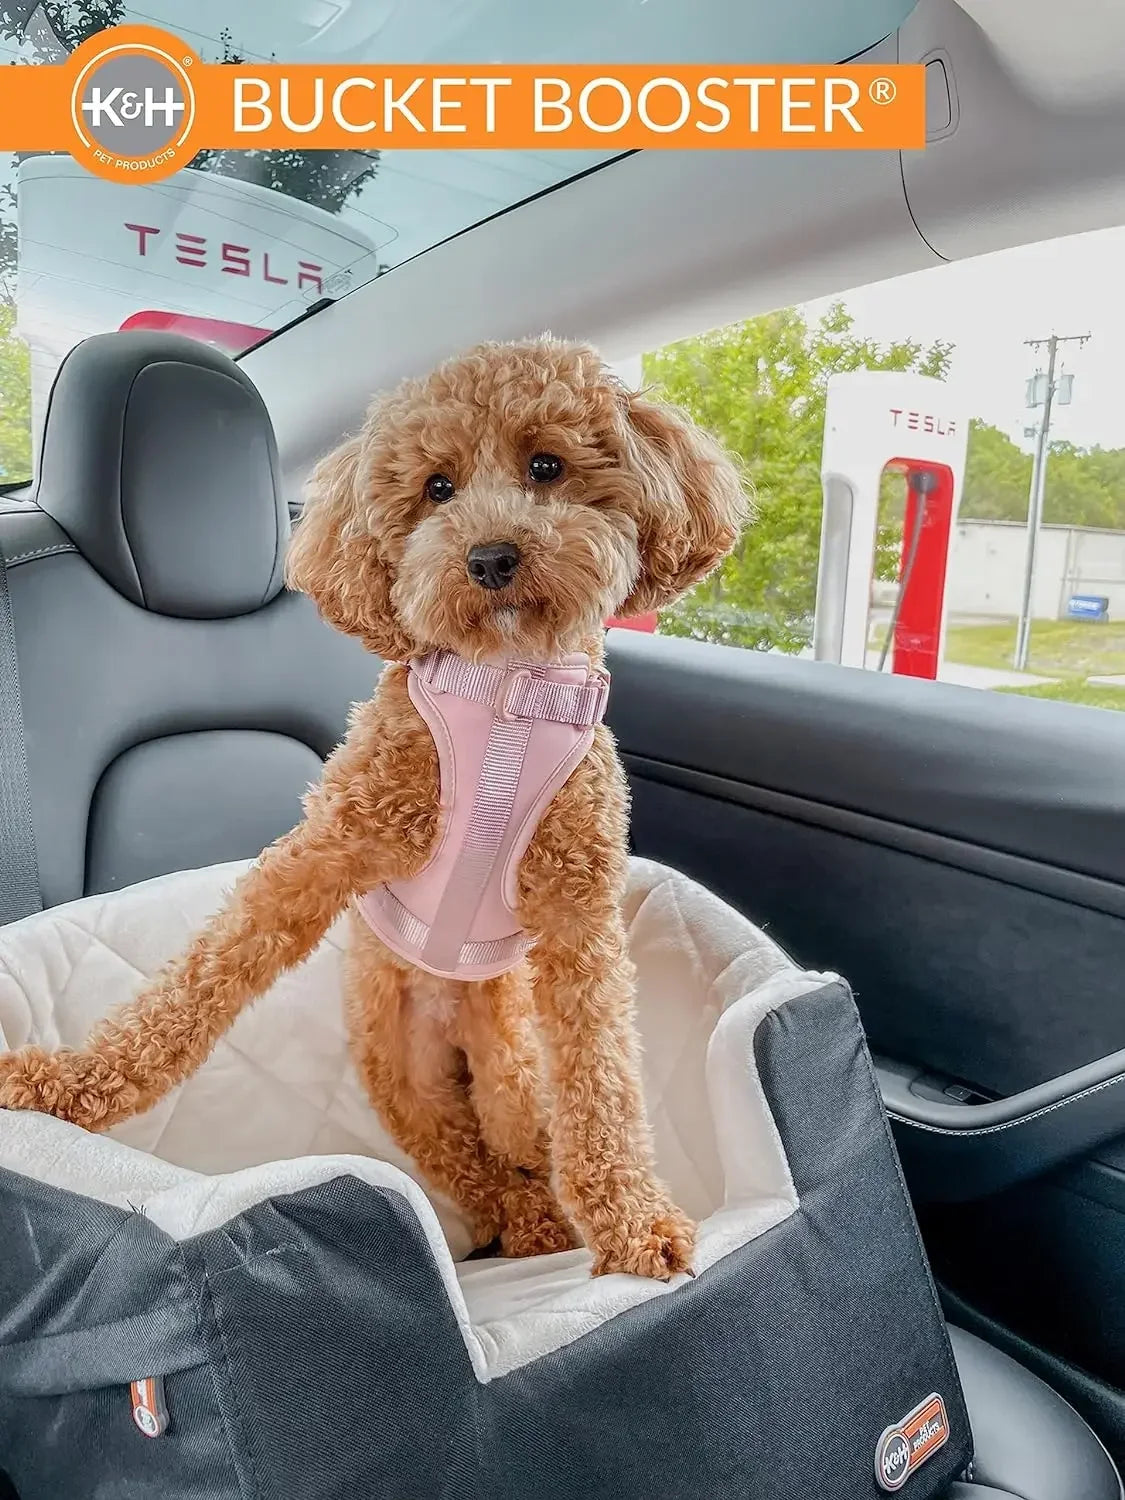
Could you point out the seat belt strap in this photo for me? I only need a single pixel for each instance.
(20, 894)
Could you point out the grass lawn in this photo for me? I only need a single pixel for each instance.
(1075, 690)
(1074, 649)
(1070, 650)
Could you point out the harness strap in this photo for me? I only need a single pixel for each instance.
(517, 691)
(519, 694)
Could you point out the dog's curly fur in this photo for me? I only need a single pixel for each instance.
(510, 1090)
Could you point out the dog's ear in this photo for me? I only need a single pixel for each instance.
(336, 561)
(692, 502)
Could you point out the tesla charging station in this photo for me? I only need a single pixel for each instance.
(913, 424)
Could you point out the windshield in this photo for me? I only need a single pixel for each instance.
(242, 242)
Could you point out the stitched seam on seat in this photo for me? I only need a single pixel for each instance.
(93, 936)
(256, 1065)
(232, 1417)
(1047, 1109)
(42, 552)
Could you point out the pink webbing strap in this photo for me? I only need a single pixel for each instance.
(518, 691)
(503, 950)
(519, 694)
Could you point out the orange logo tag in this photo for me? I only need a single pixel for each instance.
(906, 1446)
(149, 1410)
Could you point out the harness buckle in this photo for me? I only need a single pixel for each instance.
(599, 678)
(507, 686)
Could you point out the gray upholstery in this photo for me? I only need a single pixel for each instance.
(173, 718)
(159, 461)
(1029, 1442)
(130, 836)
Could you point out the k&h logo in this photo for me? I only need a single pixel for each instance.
(905, 1447)
(121, 107)
(133, 107)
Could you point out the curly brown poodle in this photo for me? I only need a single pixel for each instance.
(519, 1095)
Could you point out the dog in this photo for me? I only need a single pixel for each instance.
(487, 519)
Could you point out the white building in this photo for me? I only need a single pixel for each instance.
(988, 558)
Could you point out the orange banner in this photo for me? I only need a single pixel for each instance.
(135, 103)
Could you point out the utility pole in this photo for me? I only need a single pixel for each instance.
(1038, 488)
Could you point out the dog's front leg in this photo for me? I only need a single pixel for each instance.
(572, 883)
(275, 916)
(356, 832)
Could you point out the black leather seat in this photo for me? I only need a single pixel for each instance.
(176, 703)
(176, 700)
(1029, 1442)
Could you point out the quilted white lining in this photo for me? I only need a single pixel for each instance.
(278, 1106)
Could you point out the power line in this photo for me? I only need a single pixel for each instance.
(1038, 489)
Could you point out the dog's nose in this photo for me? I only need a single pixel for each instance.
(493, 564)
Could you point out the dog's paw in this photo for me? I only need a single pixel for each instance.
(80, 1087)
(659, 1247)
(29, 1080)
(534, 1223)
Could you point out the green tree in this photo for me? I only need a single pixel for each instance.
(997, 476)
(760, 386)
(1108, 467)
(15, 401)
(67, 25)
(1085, 486)
(327, 179)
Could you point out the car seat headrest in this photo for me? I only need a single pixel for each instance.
(159, 461)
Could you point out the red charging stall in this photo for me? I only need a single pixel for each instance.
(875, 421)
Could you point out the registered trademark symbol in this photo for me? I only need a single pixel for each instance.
(882, 90)
(187, 62)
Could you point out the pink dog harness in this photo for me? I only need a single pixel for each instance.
(507, 738)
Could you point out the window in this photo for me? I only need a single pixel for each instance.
(761, 386)
(242, 241)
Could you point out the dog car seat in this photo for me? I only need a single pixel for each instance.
(255, 1264)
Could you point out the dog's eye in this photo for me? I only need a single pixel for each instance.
(440, 488)
(544, 467)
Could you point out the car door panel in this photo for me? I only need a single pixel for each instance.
(960, 857)
(990, 983)
(939, 846)
(1035, 779)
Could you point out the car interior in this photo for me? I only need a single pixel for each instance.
(956, 855)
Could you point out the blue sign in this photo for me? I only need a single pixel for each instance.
(1088, 607)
